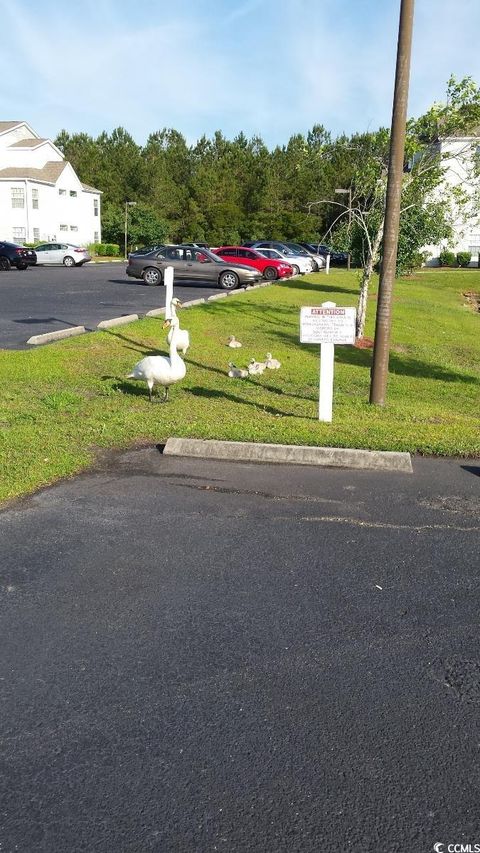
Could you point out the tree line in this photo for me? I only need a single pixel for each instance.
(226, 191)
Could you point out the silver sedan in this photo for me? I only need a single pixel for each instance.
(67, 254)
(193, 264)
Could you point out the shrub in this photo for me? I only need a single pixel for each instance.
(447, 258)
(112, 249)
(463, 258)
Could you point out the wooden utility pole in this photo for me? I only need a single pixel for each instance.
(392, 206)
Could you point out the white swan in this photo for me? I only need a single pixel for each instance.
(182, 338)
(160, 370)
(256, 367)
(271, 363)
(237, 372)
(233, 343)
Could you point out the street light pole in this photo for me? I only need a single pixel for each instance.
(344, 192)
(392, 206)
(127, 205)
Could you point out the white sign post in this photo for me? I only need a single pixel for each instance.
(327, 325)
(168, 282)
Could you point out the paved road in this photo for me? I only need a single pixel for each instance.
(202, 656)
(44, 299)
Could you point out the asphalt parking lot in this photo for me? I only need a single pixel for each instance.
(202, 656)
(45, 299)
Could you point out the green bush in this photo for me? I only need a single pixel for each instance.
(447, 258)
(463, 258)
(112, 249)
(103, 250)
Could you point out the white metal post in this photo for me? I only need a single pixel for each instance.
(168, 282)
(327, 264)
(327, 356)
(325, 403)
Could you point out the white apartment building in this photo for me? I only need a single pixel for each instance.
(41, 197)
(458, 155)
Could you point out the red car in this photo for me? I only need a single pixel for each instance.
(270, 269)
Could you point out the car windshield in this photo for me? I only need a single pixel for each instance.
(210, 255)
(296, 249)
(269, 253)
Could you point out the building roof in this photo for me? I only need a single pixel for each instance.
(89, 189)
(28, 143)
(49, 174)
(7, 125)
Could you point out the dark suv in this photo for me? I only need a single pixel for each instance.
(12, 255)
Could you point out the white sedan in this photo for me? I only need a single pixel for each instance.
(299, 263)
(67, 254)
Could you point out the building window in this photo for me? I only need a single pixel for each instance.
(474, 250)
(18, 197)
(62, 192)
(96, 236)
(73, 227)
(63, 227)
(95, 206)
(36, 235)
(73, 193)
(19, 235)
(35, 199)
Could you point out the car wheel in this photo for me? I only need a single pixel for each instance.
(229, 280)
(296, 270)
(152, 276)
(270, 273)
(68, 261)
(4, 264)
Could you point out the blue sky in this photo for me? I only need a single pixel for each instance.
(267, 67)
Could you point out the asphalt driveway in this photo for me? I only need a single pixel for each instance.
(202, 656)
(44, 299)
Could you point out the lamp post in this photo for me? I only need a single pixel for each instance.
(349, 193)
(127, 205)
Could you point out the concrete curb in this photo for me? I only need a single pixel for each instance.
(57, 336)
(156, 312)
(193, 302)
(331, 457)
(117, 321)
(236, 292)
(216, 296)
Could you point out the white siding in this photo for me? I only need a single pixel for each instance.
(74, 207)
(459, 172)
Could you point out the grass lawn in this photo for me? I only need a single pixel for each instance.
(62, 403)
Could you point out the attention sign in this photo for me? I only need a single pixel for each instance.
(322, 325)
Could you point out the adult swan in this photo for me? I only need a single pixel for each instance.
(160, 370)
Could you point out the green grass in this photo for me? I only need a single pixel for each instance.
(62, 403)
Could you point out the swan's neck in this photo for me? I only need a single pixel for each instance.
(174, 356)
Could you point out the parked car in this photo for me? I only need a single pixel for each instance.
(12, 255)
(319, 261)
(271, 268)
(336, 257)
(145, 250)
(197, 245)
(298, 263)
(301, 260)
(67, 254)
(192, 264)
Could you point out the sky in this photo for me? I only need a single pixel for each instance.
(270, 68)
